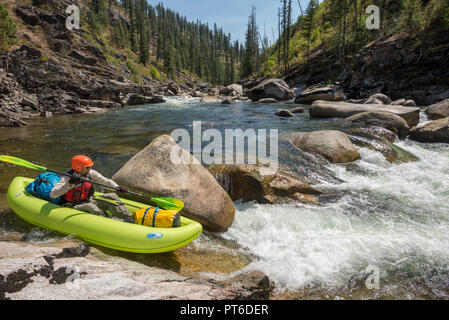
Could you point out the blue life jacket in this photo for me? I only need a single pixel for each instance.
(42, 186)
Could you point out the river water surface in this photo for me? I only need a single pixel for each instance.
(383, 231)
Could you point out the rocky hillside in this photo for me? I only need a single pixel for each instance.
(53, 70)
(399, 66)
(405, 57)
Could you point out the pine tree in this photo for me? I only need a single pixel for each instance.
(412, 15)
(309, 22)
(251, 51)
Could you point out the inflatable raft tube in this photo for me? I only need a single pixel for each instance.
(98, 230)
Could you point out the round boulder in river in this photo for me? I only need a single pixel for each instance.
(334, 145)
(152, 171)
(382, 119)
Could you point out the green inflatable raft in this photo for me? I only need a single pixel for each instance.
(99, 230)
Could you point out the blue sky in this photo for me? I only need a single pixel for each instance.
(232, 15)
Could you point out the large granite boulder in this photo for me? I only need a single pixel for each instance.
(326, 93)
(435, 131)
(271, 88)
(333, 145)
(254, 183)
(381, 119)
(152, 171)
(232, 89)
(438, 110)
(328, 109)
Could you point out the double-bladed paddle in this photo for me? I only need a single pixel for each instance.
(166, 203)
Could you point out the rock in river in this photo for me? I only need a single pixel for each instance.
(438, 110)
(152, 170)
(385, 120)
(317, 92)
(282, 113)
(253, 183)
(435, 131)
(334, 145)
(271, 88)
(327, 109)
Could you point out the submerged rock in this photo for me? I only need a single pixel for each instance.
(297, 110)
(255, 183)
(152, 171)
(334, 145)
(284, 113)
(375, 132)
(390, 151)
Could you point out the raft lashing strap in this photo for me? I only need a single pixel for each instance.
(146, 211)
(154, 215)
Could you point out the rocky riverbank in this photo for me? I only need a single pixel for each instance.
(75, 271)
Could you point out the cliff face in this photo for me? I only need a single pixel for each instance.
(401, 66)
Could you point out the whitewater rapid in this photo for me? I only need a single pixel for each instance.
(391, 217)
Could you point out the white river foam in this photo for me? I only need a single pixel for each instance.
(390, 215)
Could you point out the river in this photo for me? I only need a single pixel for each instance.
(383, 231)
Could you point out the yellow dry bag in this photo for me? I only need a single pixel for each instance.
(157, 218)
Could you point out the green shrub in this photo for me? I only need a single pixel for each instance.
(154, 73)
(7, 30)
(136, 79)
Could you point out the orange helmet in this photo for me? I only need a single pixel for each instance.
(80, 162)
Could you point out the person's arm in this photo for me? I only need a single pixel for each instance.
(97, 177)
(61, 188)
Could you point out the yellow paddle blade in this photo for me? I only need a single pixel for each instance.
(21, 162)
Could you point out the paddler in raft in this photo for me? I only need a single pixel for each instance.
(78, 195)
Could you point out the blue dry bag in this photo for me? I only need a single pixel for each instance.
(42, 186)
